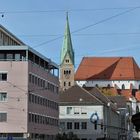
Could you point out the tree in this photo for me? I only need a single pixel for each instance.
(69, 136)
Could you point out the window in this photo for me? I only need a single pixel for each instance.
(3, 117)
(67, 60)
(36, 80)
(64, 84)
(76, 125)
(137, 109)
(3, 76)
(30, 78)
(69, 83)
(69, 125)
(9, 56)
(69, 110)
(108, 85)
(96, 85)
(84, 125)
(123, 86)
(83, 113)
(2, 56)
(33, 79)
(76, 110)
(17, 57)
(29, 117)
(3, 96)
(67, 72)
(62, 125)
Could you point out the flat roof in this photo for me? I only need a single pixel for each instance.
(18, 47)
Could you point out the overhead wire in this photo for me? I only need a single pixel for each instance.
(88, 26)
(64, 10)
(84, 34)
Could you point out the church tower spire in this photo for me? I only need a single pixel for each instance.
(67, 60)
(67, 43)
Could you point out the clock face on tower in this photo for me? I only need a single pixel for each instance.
(67, 76)
(67, 73)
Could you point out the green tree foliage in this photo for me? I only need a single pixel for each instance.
(69, 136)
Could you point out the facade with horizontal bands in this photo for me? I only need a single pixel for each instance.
(28, 92)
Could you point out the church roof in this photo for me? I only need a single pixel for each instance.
(108, 68)
(67, 44)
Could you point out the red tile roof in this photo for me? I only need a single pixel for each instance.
(108, 68)
(127, 93)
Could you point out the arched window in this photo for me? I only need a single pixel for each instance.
(69, 71)
(67, 60)
(96, 85)
(64, 84)
(69, 83)
(123, 86)
(108, 85)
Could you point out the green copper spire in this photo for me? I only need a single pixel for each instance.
(67, 44)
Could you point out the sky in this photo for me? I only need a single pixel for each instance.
(98, 27)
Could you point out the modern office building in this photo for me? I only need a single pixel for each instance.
(28, 91)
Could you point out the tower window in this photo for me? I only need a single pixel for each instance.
(69, 83)
(67, 60)
(67, 71)
(64, 83)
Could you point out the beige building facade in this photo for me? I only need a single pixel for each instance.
(29, 88)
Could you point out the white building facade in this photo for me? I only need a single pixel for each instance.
(88, 120)
(119, 84)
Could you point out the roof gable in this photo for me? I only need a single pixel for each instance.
(78, 95)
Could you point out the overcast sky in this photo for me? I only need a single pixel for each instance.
(99, 27)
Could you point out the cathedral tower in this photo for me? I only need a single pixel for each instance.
(67, 60)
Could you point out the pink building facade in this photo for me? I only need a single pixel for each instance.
(28, 94)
